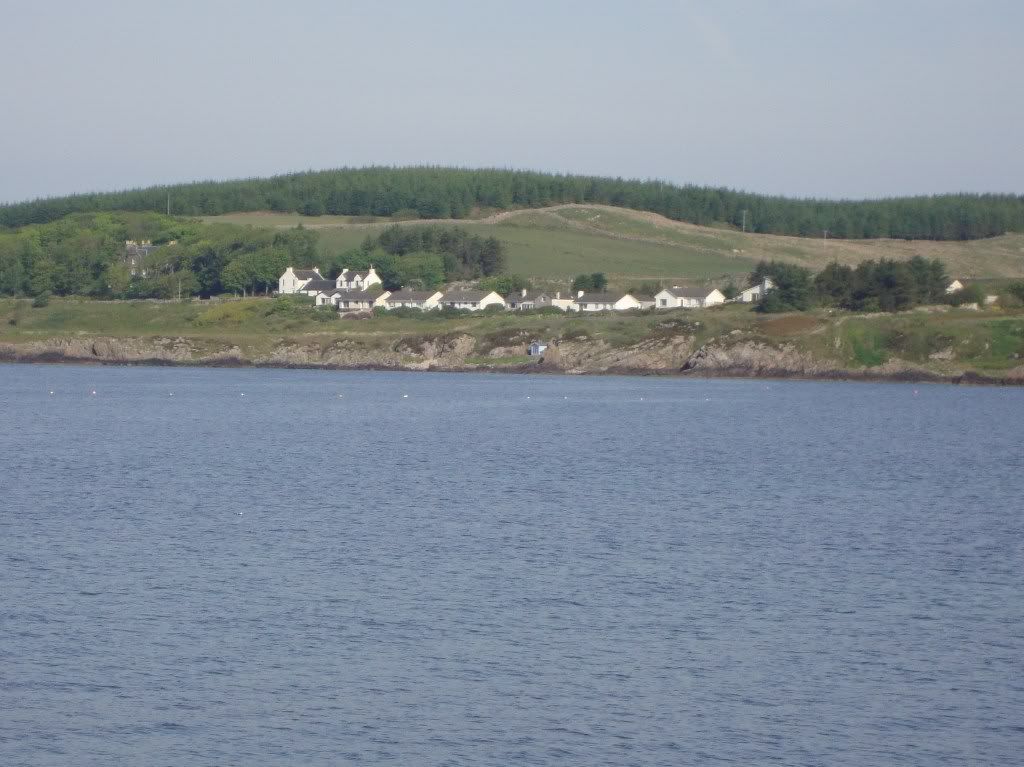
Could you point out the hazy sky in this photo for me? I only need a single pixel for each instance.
(836, 98)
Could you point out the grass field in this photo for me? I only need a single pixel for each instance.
(559, 242)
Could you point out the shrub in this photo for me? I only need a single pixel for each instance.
(43, 299)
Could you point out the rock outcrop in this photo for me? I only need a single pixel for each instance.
(671, 354)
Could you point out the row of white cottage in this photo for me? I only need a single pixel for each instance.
(350, 291)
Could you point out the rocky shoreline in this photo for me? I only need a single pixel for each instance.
(675, 356)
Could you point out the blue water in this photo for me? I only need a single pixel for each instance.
(506, 570)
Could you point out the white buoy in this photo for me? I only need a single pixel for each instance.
(405, 396)
(340, 396)
(93, 393)
(242, 394)
(51, 393)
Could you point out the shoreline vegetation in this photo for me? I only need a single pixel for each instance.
(938, 344)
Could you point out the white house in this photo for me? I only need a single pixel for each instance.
(294, 280)
(357, 280)
(472, 300)
(688, 298)
(536, 348)
(755, 292)
(413, 299)
(360, 300)
(351, 300)
(565, 303)
(603, 302)
(315, 287)
(954, 286)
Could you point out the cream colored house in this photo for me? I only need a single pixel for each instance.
(351, 300)
(565, 303)
(471, 300)
(688, 298)
(348, 280)
(604, 302)
(294, 280)
(413, 299)
(954, 286)
(755, 293)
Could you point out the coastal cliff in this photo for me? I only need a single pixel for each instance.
(674, 355)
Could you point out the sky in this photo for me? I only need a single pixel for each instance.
(824, 98)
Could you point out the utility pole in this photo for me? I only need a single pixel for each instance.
(744, 220)
(168, 203)
(824, 238)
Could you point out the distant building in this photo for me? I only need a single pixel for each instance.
(351, 300)
(472, 300)
(135, 254)
(357, 280)
(603, 302)
(688, 298)
(531, 299)
(755, 293)
(294, 280)
(954, 286)
(413, 299)
(536, 349)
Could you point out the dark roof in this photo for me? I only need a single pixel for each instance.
(474, 296)
(679, 292)
(324, 286)
(307, 274)
(531, 295)
(356, 295)
(600, 298)
(411, 295)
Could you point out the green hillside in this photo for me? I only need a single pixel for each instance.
(558, 242)
(433, 192)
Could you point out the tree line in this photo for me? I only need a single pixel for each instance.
(435, 192)
(883, 285)
(85, 255)
(424, 256)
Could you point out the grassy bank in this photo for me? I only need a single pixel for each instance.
(942, 341)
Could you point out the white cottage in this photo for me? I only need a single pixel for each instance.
(954, 287)
(351, 300)
(348, 280)
(565, 303)
(413, 299)
(755, 293)
(294, 280)
(471, 300)
(688, 298)
(603, 302)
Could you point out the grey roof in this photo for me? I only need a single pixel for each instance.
(679, 292)
(356, 295)
(411, 295)
(531, 296)
(600, 298)
(473, 296)
(324, 286)
(308, 274)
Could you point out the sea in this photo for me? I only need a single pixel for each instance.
(295, 567)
